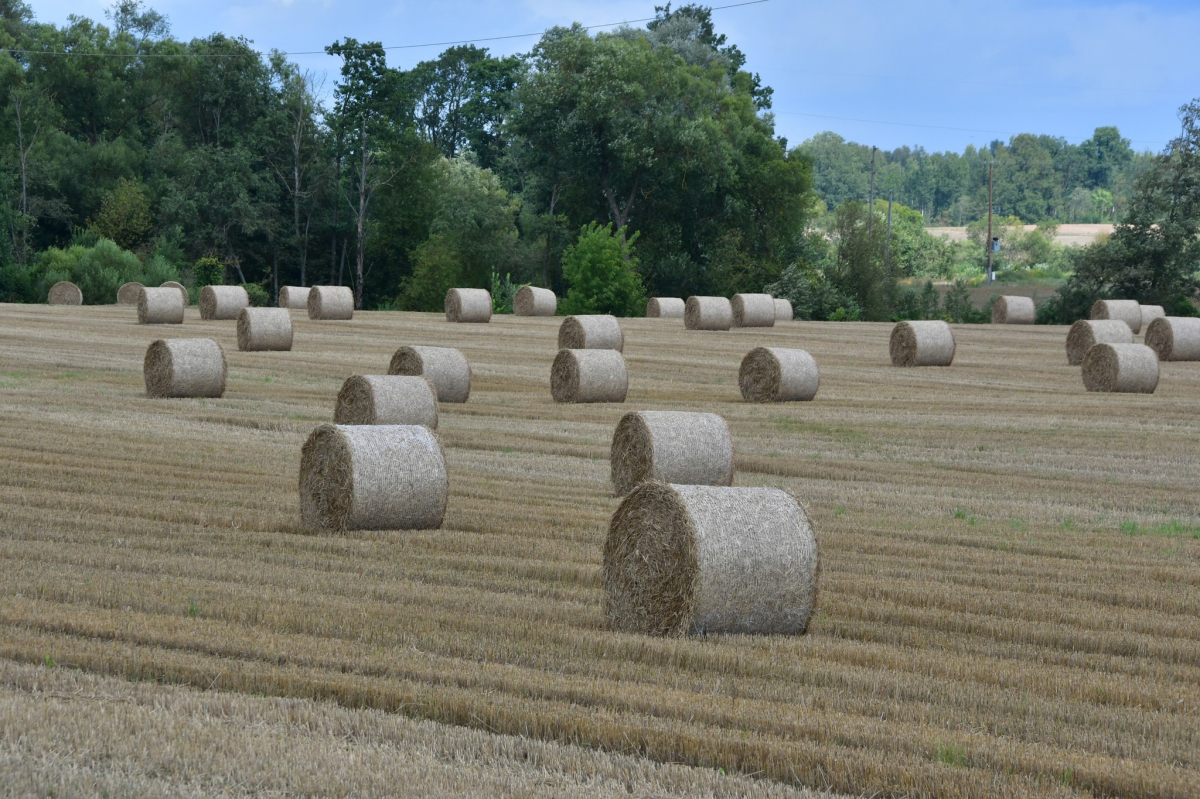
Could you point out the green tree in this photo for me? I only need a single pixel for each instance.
(124, 216)
(601, 270)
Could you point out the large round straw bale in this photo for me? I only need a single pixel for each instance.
(928, 343)
(387, 399)
(262, 329)
(372, 477)
(1087, 333)
(446, 368)
(184, 367)
(533, 301)
(128, 293)
(1128, 310)
(1150, 313)
(295, 297)
(160, 306)
(753, 310)
(783, 310)
(468, 305)
(1128, 368)
(671, 447)
(332, 303)
(771, 374)
(223, 302)
(589, 376)
(665, 308)
(591, 332)
(1174, 338)
(64, 292)
(1009, 310)
(683, 559)
(182, 289)
(708, 313)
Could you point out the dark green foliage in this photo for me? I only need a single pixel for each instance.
(259, 296)
(601, 270)
(957, 306)
(208, 271)
(98, 271)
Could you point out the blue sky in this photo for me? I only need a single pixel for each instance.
(943, 73)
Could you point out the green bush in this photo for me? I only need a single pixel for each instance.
(437, 268)
(811, 295)
(259, 296)
(98, 271)
(601, 272)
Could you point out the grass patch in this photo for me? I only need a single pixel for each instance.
(1172, 529)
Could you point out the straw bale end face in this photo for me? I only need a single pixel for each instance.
(1124, 368)
(184, 367)
(1010, 310)
(928, 343)
(589, 376)
(64, 293)
(264, 329)
(671, 447)
(771, 374)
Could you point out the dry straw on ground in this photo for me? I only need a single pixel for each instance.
(1010, 310)
(1125, 368)
(772, 374)
(1174, 338)
(665, 308)
(1150, 313)
(468, 305)
(263, 329)
(534, 301)
(128, 293)
(182, 289)
(294, 297)
(222, 302)
(446, 368)
(184, 367)
(589, 376)
(64, 293)
(783, 310)
(591, 332)
(753, 310)
(924, 343)
(330, 303)
(1127, 310)
(707, 313)
(1087, 333)
(671, 447)
(387, 399)
(373, 477)
(160, 306)
(704, 559)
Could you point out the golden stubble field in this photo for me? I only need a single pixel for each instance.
(1010, 589)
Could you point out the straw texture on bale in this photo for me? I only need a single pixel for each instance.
(1010, 310)
(160, 306)
(222, 302)
(172, 284)
(1150, 313)
(533, 301)
(683, 559)
(1125, 368)
(591, 332)
(468, 305)
(1087, 333)
(294, 297)
(185, 367)
(671, 447)
(707, 313)
(783, 310)
(589, 376)
(263, 329)
(372, 477)
(665, 308)
(128, 293)
(925, 343)
(753, 310)
(445, 368)
(1174, 338)
(330, 303)
(771, 374)
(386, 399)
(64, 292)
(1128, 310)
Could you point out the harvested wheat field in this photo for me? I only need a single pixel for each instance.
(1009, 592)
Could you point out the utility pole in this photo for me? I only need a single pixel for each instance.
(989, 235)
(871, 202)
(887, 246)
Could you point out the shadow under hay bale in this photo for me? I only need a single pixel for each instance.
(182, 289)
(1010, 310)
(589, 376)
(783, 310)
(294, 297)
(128, 293)
(64, 293)
(330, 303)
(665, 308)
(753, 310)
(925, 343)
(1127, 310)
(1123, 368)
(772, 374)
(185, 367)
(707, 313)
(671, 447)
(534, 301)
(160, 306)
(387, 399)
(591, 332)
(1087, 333)
(222, 303)
(264, 329)
(1174, 338)
(1149, 314)
(445, 368)
(469, 305)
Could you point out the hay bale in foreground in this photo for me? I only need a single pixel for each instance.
(182, 289)
(184, 367)
(1125, 368)
(591, 332)
(1128, 310)
(705, 559)
(446, 368)
(783, 310)
(1010, 310)
(330, 303)
(533, 301)
(589, 376)
(1174, 338)
(372, 477)
(1149, 314)
(771, 374)
(222, 302)
(160, 306)
(707, 313)
(468, 305)
(927, 343)
(64, 292)
(671, 447)
(753, 310)
(387, 399)
(264, 329)
(665, 308)
(1087, 333)
(128, 293)
(294, 297)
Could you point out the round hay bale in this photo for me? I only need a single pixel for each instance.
(182, 289)
(387, 399)
(1087, 333)
(589, 376)
(671, 447)
(1174, 338)
(330, 303)
(294, 297)
(446, 368)
(372, 477)
(263, 329)
(64, 292)
(753, 310)
(707, 313)
(1009, 310)
(1149, 314)
(223, 302)
(771, 374)
(128, 293)
(783, 310)
(665, 308)
(184, 367)
(929, 343)
(468, 305)
(160, 306)
(1128, 310)
(683, 559)
(533, 301)
(1125, 368)
(591, 332)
